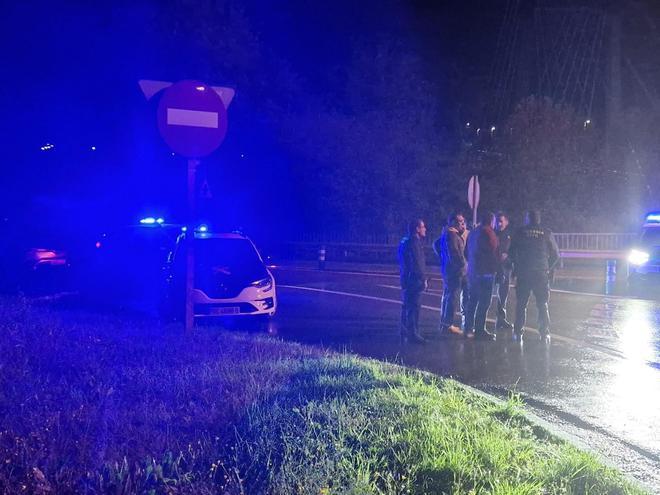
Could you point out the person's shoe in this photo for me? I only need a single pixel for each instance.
(545, 338)
(504, 325)
(454, 330)
(484, 335)
(517, 337)
(468, 334)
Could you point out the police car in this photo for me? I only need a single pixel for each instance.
(231, 278)
(644, 257)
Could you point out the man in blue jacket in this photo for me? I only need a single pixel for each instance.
(412, 265)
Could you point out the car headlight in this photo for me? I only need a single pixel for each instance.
(264, 283)
(637, 257)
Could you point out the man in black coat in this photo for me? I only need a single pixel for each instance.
(412, 264)
(534, 254)
(503, 275)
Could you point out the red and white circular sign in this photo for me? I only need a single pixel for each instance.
(192, 119)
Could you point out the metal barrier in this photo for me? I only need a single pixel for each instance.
(566, 241)
(578, 246)
(594, 241)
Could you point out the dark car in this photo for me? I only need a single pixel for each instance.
(32, 259)
(644, 257)
(126, 266)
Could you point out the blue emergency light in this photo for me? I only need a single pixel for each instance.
(152, 221)
(653, 217)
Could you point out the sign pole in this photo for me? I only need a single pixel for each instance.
(475, 202)
(192, 119)
(190, 235)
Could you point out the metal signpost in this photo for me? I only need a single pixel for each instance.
(473, 197)
(192, 119)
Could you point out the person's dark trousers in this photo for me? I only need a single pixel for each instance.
(451, 295)
(502, 281)
(536, 283)
(412, 303)
(481, 290)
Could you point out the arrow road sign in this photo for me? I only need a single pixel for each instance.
(473, 197)
(473, 192)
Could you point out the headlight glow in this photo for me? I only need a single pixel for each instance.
(265, 284)
(637, 257)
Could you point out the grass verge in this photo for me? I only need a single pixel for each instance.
(98, 404)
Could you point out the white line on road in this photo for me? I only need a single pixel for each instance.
(371, 274)
(589, 294)
(351, 294)
(555, 337)
(431, 308)
(559, 291)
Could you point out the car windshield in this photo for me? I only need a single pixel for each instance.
(651, 237)
(227, 254)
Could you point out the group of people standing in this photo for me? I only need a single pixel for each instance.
(472, 263)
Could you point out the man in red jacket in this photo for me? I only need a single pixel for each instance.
(483, 262)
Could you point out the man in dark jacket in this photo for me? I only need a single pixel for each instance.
(450, 248)
(483, 262)
(412, 266)
(503, 275)
(534, 254)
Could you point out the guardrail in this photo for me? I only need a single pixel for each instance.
(594, 241)
(566, 240)
(594, 246)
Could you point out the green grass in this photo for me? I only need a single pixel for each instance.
(97, 404)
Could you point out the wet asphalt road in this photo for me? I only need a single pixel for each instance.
(599, 380)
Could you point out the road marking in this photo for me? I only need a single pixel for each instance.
(560, 291)
(590, 294)
(555, 337)
(340, 272)
(386, 275)
(351, 294)
(396, 301)
(395, 275)
(430, 291)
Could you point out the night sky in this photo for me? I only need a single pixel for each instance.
(71, 74)
(71, 69)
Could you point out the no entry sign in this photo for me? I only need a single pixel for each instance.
(192, 119)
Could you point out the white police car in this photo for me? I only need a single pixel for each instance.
(644, 257)
(231, 279)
